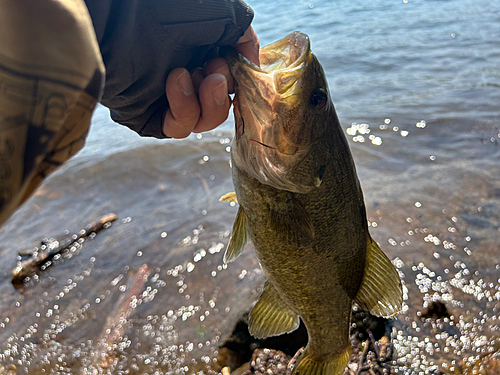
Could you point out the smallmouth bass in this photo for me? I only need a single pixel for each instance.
(301, 205)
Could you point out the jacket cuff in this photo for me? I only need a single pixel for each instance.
(147, 124)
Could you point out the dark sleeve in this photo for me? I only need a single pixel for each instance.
(142, 41)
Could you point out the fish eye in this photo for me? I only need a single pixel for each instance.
(319, 98)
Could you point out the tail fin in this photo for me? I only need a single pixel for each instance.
(306, 365)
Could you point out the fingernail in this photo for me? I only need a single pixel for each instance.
(185, 84)
(220, 93)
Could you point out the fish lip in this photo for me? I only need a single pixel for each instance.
(296, 39)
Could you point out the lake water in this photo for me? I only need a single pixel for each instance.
(416, 85)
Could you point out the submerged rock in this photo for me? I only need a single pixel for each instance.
(371, 348)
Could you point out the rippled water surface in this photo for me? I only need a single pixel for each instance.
(417, 88)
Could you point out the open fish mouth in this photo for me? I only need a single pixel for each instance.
(282, 65)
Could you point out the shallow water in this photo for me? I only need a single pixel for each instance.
(437, 213)
(420, 81)
(172, 229)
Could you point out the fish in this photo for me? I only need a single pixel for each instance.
(301, 205)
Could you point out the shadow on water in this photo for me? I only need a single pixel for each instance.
(150, 294)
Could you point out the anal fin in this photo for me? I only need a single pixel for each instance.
(307, 365)
(239, 237)
(380, 292)
(270, 317)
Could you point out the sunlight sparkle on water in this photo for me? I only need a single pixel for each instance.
(421, 124)
(359, 131)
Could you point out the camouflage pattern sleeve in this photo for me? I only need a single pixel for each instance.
(51, 77)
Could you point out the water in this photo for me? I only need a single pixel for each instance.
(420, 80)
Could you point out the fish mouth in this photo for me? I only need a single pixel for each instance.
(282, 64)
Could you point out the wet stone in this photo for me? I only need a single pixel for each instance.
(434, 310)
(268, 362)
(372, 350)
(363, 324)
(242, 346)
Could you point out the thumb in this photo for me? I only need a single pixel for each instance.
(248, 46)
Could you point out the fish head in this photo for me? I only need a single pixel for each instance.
(282, 110)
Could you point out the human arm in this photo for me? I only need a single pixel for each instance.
(52, 76)
(143, 44)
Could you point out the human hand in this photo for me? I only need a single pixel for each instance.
(199, 101)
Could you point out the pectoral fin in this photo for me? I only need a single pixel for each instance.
(294, 222)
(270, 317)
(380, 292)
(239, 236)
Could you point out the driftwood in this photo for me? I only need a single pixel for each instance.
(49, 248)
